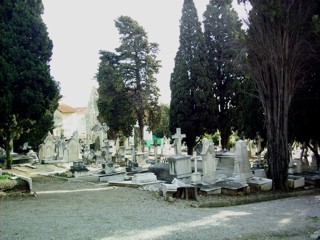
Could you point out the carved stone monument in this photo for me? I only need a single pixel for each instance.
(209, 161)
(73, 149)
(47, 149)
(180, 165)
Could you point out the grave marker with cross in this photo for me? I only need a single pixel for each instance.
(178, 136)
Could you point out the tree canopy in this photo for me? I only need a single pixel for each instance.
(303, 125)
(127, 85)
(192, 103)
(27, 90)
(223, 33)
(114, 104)
(278, 51)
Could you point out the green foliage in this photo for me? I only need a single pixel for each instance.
(114, 104)
(233, 138)
(5, 176)
(250, 111)
(223, 34)
(279, 52)
(27, 89)
(214, 137)
(63, 175)
(314, 218)
(127, 86)
(192, 103)
(304, 125)
(163, 128)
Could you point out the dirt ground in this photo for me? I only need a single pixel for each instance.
(62, 209)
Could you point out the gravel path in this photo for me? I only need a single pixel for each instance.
(69, 210)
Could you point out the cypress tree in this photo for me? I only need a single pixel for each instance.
(278, 57)
(222, 32)
(27, 92)
(192, 103)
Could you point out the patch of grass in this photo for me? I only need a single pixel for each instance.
(314, 218)
(64, 175)
(5, 176)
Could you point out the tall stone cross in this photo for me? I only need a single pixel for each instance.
(179, 138)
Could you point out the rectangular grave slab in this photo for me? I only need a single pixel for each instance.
(295, 181)
(168, 189)
(144, 178)
(258, 183)
(211, 190)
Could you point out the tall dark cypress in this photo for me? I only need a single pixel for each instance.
(222, 31)
(28, 92)
(192, 104)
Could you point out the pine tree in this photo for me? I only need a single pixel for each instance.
(27, 90)
(114, 106)
(222, 32)
(192, 103)
(132, 67)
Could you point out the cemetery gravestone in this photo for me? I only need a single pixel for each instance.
(48, 148)
(59, 148)
(209, 161)
(73, 150)
(180, 165)
(178, 137)
(242, 166)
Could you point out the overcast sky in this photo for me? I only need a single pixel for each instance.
(79, 29)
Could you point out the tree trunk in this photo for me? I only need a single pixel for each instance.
(277, 53)
(278, 152)
(190, 142)
(8, 149)
(224, 134)
(141, 127)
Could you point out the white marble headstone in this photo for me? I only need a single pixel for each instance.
(242, 167)
(209, 161)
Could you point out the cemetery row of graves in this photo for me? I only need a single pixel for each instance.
(167, 168)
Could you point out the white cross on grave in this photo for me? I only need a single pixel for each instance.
(179, 138)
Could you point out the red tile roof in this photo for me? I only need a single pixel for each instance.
(64, 108)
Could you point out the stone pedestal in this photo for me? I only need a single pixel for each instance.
(242, 168)
(295, 181)
(108, 167)
(262, 184)
(225, 164)
(168, 189)
(161, 170)
(180, 166)
(144, 178)
(195, 178)
(260, 173)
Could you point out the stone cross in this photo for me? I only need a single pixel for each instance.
(105, 129)
(178, 136)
